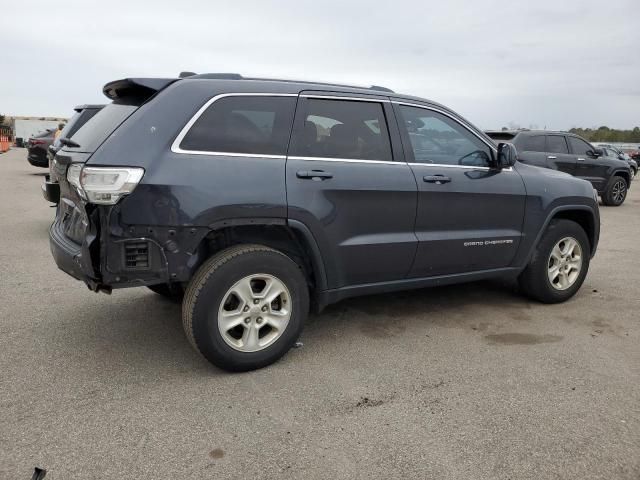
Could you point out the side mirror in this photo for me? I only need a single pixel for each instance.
(595, 153)
(507, 155)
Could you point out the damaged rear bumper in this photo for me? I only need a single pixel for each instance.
(113, 255)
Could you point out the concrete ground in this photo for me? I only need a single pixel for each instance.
(463, 382)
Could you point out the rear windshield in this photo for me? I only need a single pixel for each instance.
(501, 137)
(75, 123)
(91, 135)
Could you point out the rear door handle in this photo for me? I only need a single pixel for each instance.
(314, 174)
(438, 179)
(552, 157)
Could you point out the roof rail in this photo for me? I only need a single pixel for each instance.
(237, 76)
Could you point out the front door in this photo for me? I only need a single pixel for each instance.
(469, 216)
(351, 188)
(587, 167)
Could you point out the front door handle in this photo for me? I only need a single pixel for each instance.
(314, 174)
(438, 179)
(552, 157)
(581, 159)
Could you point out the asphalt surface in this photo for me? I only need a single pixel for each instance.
(463, 382)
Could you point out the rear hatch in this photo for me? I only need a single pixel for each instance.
(73, 218)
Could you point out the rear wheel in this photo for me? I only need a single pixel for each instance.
(559, 265)
(616, 192)
(245, 307)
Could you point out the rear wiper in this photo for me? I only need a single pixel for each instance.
(67, 142)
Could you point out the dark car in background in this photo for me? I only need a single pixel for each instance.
(571, 154)
(613, 152)
(37, 147)
(84, 113)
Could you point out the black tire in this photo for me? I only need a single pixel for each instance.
(534, 280)
(612, 196)
(209, 286)
(170, 291)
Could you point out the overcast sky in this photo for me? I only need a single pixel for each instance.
(557, 63)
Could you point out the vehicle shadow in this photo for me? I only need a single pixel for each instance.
(141, 331)
(453, 306)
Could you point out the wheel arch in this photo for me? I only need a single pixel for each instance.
(290, 237)
(583, 215)
(623, 174)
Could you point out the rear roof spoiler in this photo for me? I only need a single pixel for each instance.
(135, 87)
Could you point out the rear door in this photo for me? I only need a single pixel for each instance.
(347, 181)
(469, 216)
(558, 156)
(532, 149)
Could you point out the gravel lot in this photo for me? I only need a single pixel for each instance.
(464, 382)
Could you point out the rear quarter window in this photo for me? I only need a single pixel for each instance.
(258, 125)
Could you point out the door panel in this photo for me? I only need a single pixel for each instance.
(558, 156)
(587, 167)
(473, 222)
(361, 210)
(469, 217)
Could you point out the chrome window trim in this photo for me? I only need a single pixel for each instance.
(467, 167)
(446, 114)
(175, 146)
(336, 97)
(346, 160)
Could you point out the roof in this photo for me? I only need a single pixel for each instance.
(237, 76)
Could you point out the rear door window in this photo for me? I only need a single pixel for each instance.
(347, 129)
(557, 144)
(534, 143)
(254, 125)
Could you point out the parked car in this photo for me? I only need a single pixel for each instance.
(613, 152)
(571, 154)
(261, 198)
(84, 113)
(37, 148)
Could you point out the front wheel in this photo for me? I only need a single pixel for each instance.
(615, 192)
(245, 307)
(559, 265)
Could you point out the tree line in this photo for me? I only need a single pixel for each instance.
(606, 134)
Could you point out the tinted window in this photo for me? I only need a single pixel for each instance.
(344, 129)
(435, 138)
(93, 133)
(578, 146)
(75, 123)
(533, 144)
(243, 124)
(557, 144)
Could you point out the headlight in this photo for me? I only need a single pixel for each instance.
(104, 185)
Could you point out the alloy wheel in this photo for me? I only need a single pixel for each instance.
(254, 312)
(565, 263)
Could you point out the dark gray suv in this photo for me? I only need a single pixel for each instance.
(572, 154)
(257, 200)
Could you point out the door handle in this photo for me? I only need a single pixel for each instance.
(438, 179)
(314, 174)
(581, 159)
(552, 157)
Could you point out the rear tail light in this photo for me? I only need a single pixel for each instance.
(104, 185)
(37, 142)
